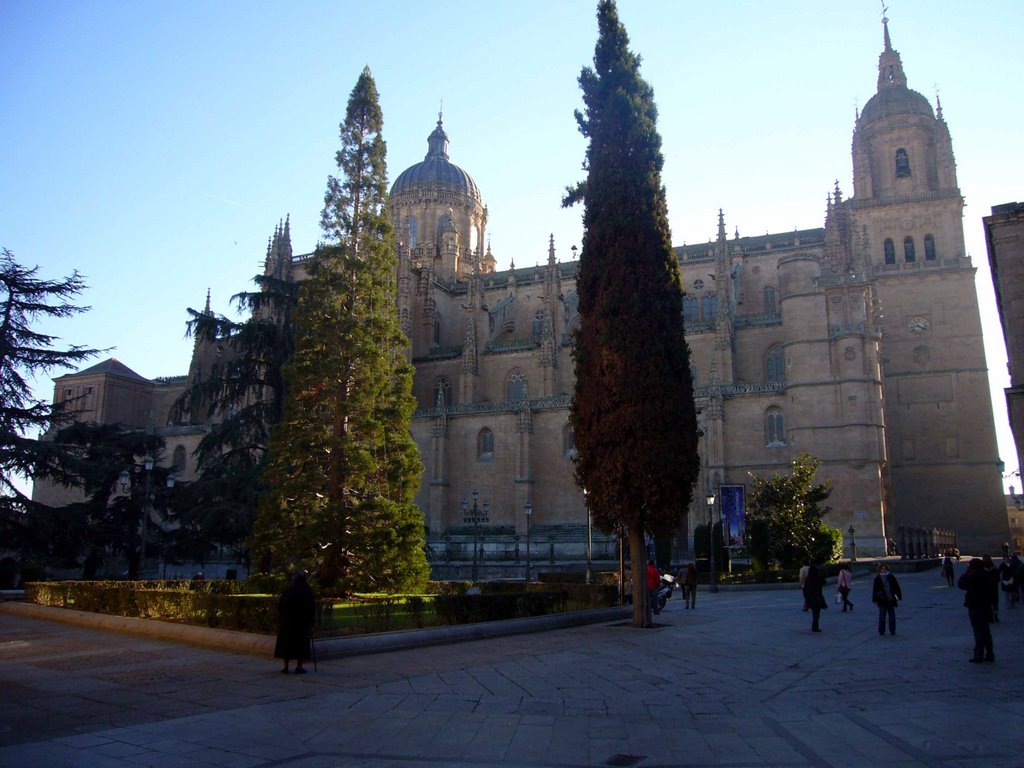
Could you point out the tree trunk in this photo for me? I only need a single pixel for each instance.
(638, 559)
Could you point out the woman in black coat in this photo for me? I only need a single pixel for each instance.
(886, 594)
(296, 612)
(813, 598)
(978, 601)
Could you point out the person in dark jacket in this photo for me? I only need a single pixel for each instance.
(296, 612)
(993, 585)
(886, 594)
(813, 598)
(978, 600)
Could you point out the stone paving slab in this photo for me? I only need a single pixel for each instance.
(741, 681)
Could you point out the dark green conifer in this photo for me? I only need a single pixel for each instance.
(633, 411)
(343, 468)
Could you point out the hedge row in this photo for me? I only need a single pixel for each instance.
(220, 604)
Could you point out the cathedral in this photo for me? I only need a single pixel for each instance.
(859, 343)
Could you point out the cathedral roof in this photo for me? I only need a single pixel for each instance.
(111, 367)
(436, 172)
(893, 96)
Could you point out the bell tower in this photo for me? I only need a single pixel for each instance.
(943, 460)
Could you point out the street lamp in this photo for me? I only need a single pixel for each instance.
(713, 583)
(528, 509)
(590, 538)
(147, 463)
(853, 544)
(476, 518)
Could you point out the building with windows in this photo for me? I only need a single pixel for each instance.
(858, 342)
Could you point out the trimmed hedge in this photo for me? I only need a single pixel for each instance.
(221, 604)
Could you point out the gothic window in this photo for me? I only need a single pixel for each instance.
(691, 310)
(538, 325)
(773, 363)
(890, 251)
(414, 231)
(908, 250)
(178, 463)
(709, 308)
(485, 445)
(773, 427)
(929, 248)
(769, 300)
(442, 393)
(516, 386)
(436, 341)
(569, 440)
(902, 164)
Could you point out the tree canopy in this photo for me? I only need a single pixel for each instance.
(343, 469)
(633, 411)
(240, 394)
(791, 506)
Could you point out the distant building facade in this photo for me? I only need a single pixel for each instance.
(859, 343)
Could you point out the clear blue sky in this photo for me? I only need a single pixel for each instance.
(154, 146)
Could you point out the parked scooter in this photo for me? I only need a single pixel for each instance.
(663, 593)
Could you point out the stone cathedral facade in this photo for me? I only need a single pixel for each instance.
(859, 343)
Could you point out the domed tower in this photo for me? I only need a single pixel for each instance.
(908, 209)
(437, 207)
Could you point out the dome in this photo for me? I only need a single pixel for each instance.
(895, 100)
(436, 172)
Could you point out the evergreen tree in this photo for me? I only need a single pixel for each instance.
(24, 353)
(633, 412)
(242, 397)
(343, 467)
(790, 507)
(107, 462)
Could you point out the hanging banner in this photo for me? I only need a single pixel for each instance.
(734, 514)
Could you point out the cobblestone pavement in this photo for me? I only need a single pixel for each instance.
(741, 681)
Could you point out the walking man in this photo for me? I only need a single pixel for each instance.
(978, 600)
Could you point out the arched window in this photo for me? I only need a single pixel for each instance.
(516, 386)
(442, 393)
(414, 231)
(902, 163)
(691, 310)
(769, 300)
(485, 445)
(538, 325)
(890, 251)
(929, 248)
(908, 250)
(709, 308)
(569, 440)
(773, 427)
(774, 368)
(436, 341)
(178, 462)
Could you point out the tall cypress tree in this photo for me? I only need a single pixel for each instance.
(343, 466)
(633, 411)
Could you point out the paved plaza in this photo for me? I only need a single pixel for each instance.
(740, 681)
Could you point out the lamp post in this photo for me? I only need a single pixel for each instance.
(147, 503)
(853, 544)
(590, 538)
(528, 509)
(476, 518)
(713, 583)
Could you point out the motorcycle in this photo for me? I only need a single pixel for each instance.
(663, 593)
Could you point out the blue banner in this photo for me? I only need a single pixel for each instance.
(734, 514)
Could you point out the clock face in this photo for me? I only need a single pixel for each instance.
(918, 325)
